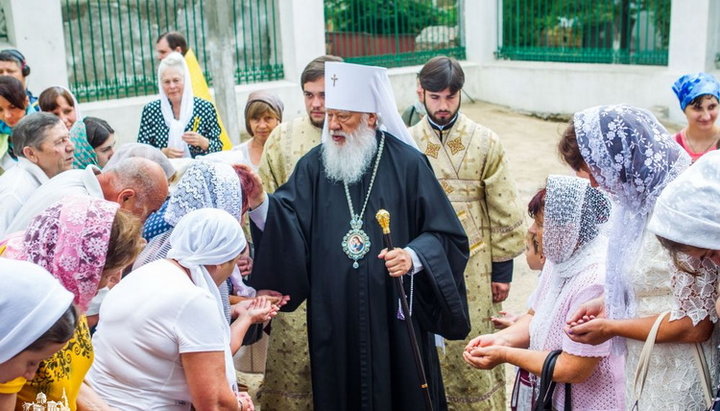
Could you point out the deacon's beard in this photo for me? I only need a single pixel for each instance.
(348, 162)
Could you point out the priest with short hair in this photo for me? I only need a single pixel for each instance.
(317, 240)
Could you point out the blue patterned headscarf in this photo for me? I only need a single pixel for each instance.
(690, 86)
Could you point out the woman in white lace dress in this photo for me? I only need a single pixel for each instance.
(686, 216)
(627, 153)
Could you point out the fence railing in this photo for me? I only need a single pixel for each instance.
(584, 31)
(110, 44)
(393, 33)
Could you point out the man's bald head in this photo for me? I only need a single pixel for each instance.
(139, 185)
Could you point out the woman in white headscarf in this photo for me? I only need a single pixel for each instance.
(629, 154)
(568, 215)
(163, 341)
(38, 318)
(178, 123)
(686, 216)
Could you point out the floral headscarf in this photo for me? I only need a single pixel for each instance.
(632, 157)
(69, 239)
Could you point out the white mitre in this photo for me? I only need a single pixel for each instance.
(364, 89)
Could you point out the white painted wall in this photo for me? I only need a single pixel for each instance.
(564, 88)
(552, 88)
(35, 28)
(124, 115)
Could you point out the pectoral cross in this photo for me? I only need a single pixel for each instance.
(334, 78)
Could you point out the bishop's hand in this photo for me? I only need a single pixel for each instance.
(398, 261)
(255, 192)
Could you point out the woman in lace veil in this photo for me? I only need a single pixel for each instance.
(203, 185)
(629, 154)
(567, 219)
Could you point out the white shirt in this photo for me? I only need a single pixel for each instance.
(146, 321)
(71, 182)
(16, 187)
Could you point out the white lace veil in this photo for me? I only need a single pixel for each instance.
(688, 210)
(632, 157)
(573, 211)
(571, 240)
(209, 237)
(204, 185)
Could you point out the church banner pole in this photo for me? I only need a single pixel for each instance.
(383, 218)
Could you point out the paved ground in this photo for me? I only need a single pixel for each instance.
(530, 144)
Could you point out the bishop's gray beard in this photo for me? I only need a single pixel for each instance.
(348, 162)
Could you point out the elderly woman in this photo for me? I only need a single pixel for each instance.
(567, 217)
(163, 341)
(178, 123)
(38, 319)
(94, 141)
(628, 154)
(14, 105)
(84, 242)
(698, 95)
(263, 112)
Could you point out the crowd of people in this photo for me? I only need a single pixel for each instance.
(133, 274)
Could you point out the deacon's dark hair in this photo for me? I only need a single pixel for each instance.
(569, 148)
(174, 40)
(17, 57)
(97, 130)
(440, 73)
(48, 98)
(31, 130)
(316, 69)
(58, 333)
(537, 203)
(11, 89)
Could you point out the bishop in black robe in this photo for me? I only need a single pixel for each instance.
(360, 351)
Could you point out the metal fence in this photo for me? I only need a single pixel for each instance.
(111, 43)
(585, 31)
(393, 33)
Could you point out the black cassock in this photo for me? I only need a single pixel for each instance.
(361, 357)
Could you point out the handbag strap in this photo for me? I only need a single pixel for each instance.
(644, 360)
(547, 385)
(701, 363)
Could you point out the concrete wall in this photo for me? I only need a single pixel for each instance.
(564, 88)
(548, 88)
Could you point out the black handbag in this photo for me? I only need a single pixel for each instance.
(547, 385)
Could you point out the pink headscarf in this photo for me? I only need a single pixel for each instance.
(69, 239)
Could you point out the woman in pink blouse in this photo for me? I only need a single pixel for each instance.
(567, 216)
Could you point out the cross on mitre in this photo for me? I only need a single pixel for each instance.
(334, 78)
